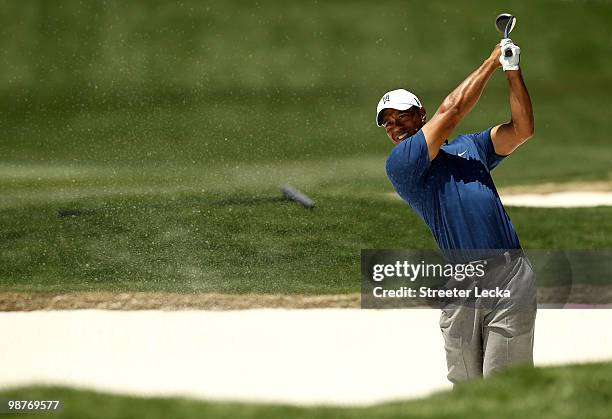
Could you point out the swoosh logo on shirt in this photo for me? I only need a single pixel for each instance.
(461, 154)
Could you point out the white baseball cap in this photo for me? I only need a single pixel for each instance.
(400, 99)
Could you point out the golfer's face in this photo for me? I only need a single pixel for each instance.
(401, 124)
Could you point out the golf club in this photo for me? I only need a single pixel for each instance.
(504, 23)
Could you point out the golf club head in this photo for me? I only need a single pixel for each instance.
(504, 23)
(501, 23)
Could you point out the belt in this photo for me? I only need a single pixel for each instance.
(501, 260)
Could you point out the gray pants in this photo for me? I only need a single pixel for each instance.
(481, 339)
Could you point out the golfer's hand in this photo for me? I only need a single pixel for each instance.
(510, 55)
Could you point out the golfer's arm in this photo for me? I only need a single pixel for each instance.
(456, 105)
(507, 137)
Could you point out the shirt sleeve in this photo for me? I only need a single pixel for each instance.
(485, 148)
(407, 162)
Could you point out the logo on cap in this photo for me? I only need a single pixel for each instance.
(386, 99)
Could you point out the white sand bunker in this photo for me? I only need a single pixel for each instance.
(570, 199)
(558, 195)
(335, 356)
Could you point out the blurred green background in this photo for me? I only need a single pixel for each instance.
(162, 119)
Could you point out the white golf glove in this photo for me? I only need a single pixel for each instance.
(512, 61)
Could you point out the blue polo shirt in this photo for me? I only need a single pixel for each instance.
(454, 194)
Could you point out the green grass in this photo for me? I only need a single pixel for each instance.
(152, 113)
(559, 392)
(193, 242)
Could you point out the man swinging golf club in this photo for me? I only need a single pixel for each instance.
(449, 185)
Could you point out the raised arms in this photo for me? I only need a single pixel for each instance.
(507, 137)
(458, 103)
